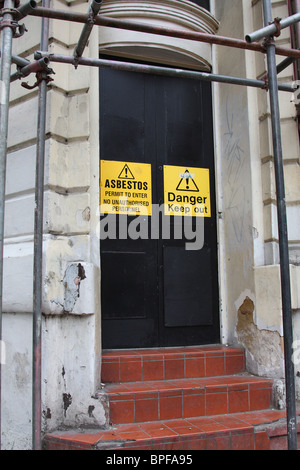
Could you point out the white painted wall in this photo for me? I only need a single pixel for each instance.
(71, 359)
(249, 259)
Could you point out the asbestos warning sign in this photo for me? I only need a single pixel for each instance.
(125, 188)
(187, 191)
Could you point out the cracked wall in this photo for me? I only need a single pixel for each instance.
(238, 223)
(71, 305)
(264, 348)
(75, 273)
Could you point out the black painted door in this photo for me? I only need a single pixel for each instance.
(155, 292)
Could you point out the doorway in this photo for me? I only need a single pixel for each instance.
(154, 291)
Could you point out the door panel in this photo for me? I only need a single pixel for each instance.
(128, 267)
(187, 287)
(155, 292)
(122, 271)
(122, 109)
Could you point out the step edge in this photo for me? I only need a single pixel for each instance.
(162, 385)
(65, 437)
(128, 353)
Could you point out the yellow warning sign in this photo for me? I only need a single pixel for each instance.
(125, 188)
(187, 191)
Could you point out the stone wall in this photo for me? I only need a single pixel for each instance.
(249, 260)
(71, 273)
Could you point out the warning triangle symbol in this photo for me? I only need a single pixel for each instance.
(126, 173)
(187, 182)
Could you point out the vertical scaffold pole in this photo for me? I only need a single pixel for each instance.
(283, 237)
(5, 68)
(38, 251)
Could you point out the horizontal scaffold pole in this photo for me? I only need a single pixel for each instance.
(146, 28)
(153, 69)
(273, 28)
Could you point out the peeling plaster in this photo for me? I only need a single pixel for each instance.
(264, 348)
(75, 273)
(67, 401)
(22, 370)
(279, 394)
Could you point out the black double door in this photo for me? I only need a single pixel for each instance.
(155, 292)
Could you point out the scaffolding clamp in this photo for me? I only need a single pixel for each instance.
(42, 73)
(40, 76)
(277, 23)
(267, 41)
(266, 80)
(18, 29)
(270, 38)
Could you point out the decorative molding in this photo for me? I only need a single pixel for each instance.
(175, 14)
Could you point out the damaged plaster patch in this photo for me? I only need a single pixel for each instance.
(75, 273)
(97, 414)
(67, 401)
(22, 370)
(279, 395)
(263, 346)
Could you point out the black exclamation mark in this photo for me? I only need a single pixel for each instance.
(125, 171)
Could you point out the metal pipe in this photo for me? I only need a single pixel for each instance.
(19, 61)
(32, 67)
(25, 9)
(272, 29)
(6, 51)
(284, 64)
(153, 69)
(297, 34)
(87, 29)
(146, 28)
(38, 252)
(283, 239)
(280, 67)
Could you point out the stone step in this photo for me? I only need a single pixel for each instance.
(241, 431)
(135, 402)
(171, 363)
(180, 399)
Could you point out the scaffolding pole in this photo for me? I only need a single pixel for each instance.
(160, 30)
(274, 28)
(6, 53)
(156, 70)
(87, 29)
(38, 251)
(283, 238)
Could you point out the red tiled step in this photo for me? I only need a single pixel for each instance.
(235, 432)
(184, 398)
(171, 363)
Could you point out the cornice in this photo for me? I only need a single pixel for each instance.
(175, 14)
(179, 13)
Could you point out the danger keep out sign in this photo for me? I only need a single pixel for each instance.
(187, 191)
(125, 188)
